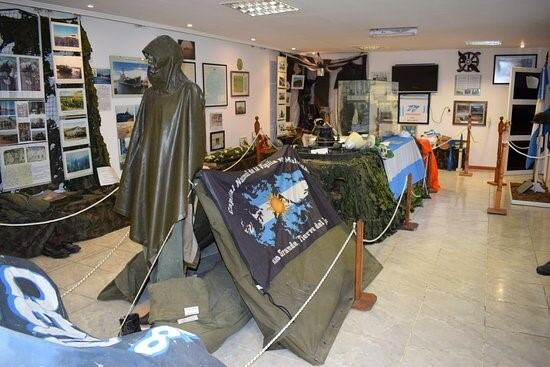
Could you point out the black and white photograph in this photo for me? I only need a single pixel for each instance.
(68, 69)
(77, 163)
(9, 75)
(36, 108)
(14, 156)
(217, 140)
(39, 135)
(37, 122)
(30, 74)
(22, 110)
(281, 64)
(281, 96)
(36, 154)
(24, 131)
(240, 107)
(463, 109)
(65, 37)
(297, 82)
(281, 81)
(128, 76)
(74, 132)
(71, 101)
(8, 123)
(281, 113)
(187, 49)
(504, 63)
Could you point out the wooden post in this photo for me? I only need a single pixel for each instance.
(496, 209)
(466, 171)
(362, 301)
(408, 225)
(502, 126)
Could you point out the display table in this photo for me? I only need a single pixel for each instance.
(406, 160)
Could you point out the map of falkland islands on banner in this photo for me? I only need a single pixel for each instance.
(274, 211)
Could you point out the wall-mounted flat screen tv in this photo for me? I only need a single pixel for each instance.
(415, 77)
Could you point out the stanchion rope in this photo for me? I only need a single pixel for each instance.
(511, 145)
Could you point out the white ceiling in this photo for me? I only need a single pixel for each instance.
(340, 25)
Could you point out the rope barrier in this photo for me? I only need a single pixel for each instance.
(268, 345)
(526, 155)
(517, 146)
(392, 218)
(62, 218)
(79, 283)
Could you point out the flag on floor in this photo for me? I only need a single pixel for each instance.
(543, 104)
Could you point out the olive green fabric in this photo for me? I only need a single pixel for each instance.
(312, 334)
(222, 311)
(167, 147)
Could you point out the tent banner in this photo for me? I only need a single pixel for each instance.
(274, 211)
(35, 330)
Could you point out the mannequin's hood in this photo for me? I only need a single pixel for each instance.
(164, 71)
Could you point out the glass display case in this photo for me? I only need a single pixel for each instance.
(367, 106)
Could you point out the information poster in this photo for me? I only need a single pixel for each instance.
(24, 165)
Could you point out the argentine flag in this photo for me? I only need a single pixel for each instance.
(543, 104)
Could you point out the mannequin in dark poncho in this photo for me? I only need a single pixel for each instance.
(167, 148)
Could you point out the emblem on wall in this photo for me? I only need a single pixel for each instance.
(468, 61)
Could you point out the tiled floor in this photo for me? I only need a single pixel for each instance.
(460, 291)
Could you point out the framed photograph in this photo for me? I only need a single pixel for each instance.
(281, 81)
(281, 64)
(217, 140)
(24, 165)
(281, 113)
(189, 69)
(240, 107)
(504, 63)
(281, 96)
(298, 82)
(463, 109)
(102, 76)
(128, 76)
(65, 37)
(240, 84)
(187, 49)
(125, 119)
(68, 69)
(214, 82)
(77, 163)
(216, 121)
(71, 101)
(467, 84)
(74, 132)
(414, 108)
(21, 77)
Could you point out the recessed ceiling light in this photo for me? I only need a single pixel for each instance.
(91, 6)
(259, 7)
(189, 25)
(293, 48)
(483, 43)
(522, 44)
(368, 47)
(393, 32)
(253, 39)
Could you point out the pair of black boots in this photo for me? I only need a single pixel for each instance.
(544, 269)
(62, 251)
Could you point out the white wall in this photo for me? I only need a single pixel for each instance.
(119, 39)
(484, 148)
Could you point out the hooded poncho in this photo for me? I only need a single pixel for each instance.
(167, 148)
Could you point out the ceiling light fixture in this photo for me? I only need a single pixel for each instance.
(253, 39)
(522, 44)
(189, 25)
(369, 47)
(393, 32)
(91, 6)
(293, 48)
(258, 7)
(483, 43)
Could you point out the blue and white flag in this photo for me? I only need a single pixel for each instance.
(542, 105)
